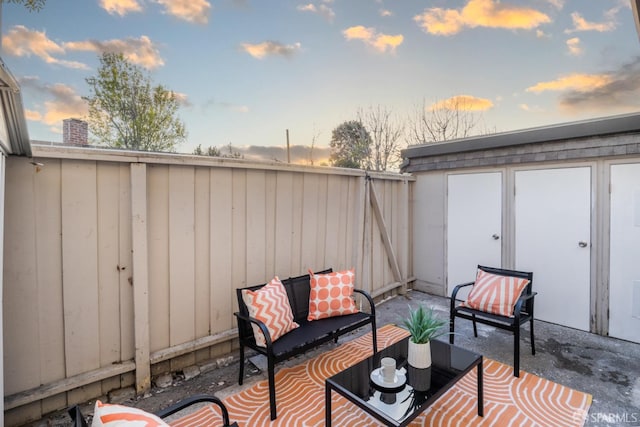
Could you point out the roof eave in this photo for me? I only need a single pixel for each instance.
(582, 129)
(11, 102)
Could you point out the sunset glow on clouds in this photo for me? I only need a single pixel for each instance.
(269, 48)
(195, 11)
(141, 51)
(323, 10)
(121, 7)
(480, 13)
(574, 46)
(463, 103)
(578, 82)
(21, 41)
(379, 41)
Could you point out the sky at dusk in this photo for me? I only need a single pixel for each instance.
(247, 70)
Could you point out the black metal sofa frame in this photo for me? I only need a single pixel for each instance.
(309, 335)
(522, 313)
(79, 421)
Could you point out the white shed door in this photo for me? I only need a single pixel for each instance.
(474, 224)
(624, 276)
(553, 231)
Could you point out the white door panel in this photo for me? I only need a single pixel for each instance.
(474, 225)
(553, 229)
(624, 282)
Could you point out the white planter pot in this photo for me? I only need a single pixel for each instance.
(419, 355)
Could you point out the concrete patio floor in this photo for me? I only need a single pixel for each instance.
(607, 368)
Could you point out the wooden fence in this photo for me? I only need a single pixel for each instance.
(120, 265)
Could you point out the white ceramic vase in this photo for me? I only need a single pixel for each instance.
(419, 355)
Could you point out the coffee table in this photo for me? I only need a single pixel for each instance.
(400, 405)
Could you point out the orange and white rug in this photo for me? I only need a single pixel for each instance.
(508, 401)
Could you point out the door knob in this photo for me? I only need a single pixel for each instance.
(495, 237)
(582, 244)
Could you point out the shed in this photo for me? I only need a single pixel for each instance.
(562, 201)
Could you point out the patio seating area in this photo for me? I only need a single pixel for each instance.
(603, 367)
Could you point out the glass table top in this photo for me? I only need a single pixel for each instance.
(422, 388)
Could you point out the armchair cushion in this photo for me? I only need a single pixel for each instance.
(331, 295)
(494, 293)
(108, 415)
(270, 305)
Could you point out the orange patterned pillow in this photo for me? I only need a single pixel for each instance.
(106, 415)
(270, 305)
(496, 294)
(331, 295)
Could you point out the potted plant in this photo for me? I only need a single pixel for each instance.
(423, 325)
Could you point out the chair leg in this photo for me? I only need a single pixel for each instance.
(516, 352)
(374, 336)
(452, 327)
(241, 376)
(475, 328)
(533, 343)
(272, 387)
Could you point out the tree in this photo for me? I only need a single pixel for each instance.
(126, 112)
(350, 146)
(31, 5)
(444, 121)
(216, 152)
(385, 133)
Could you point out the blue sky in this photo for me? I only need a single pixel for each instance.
(247, 70)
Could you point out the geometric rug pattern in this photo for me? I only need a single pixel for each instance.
(508, 401)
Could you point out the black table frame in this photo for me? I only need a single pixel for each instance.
(398, 350)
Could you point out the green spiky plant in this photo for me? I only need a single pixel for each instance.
(423, 325)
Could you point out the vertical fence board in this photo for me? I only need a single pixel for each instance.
(158, 235)
(107, 192)
(310, 212)
(270, 223)
(140, 267)
(334, 212)
(48, 230)
(181, 255)
(297, 242)
(20, 310)
(239, 230)
(125, 277)
(108, 196)
(221, 243)
(284, 224)
(202, 254)
(80, 270)
(256, 227)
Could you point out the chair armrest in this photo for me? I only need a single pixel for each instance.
(261, 325)
(454, 294)
(372, 306)
(185, 403)
(523, 298)
(77, 417)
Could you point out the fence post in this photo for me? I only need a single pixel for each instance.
(140, 275)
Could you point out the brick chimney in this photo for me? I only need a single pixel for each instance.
(74, 132)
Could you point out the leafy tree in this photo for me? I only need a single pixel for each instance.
(385, 132)
(126, 112)
(211, 151)
(216, 152)
(350, 146)
(31, 5)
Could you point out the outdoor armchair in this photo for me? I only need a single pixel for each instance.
(79, 421)
(500, 298)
